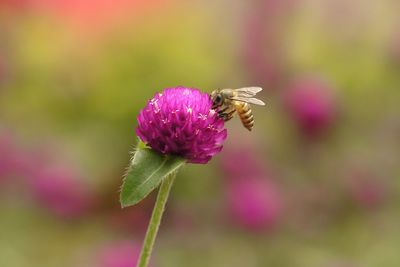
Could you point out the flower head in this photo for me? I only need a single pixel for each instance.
(180, 121)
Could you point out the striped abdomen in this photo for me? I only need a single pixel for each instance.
(245, 114)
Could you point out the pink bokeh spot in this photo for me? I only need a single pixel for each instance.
(62, 192)
(14, 161)
(254, 203)
(249, 163)
(312, 106)
(368, 192)
(123, 254)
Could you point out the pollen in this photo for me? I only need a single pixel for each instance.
(202, 117)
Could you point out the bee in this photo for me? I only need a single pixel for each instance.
(228, 101)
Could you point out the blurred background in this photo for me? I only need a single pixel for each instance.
(315, 184)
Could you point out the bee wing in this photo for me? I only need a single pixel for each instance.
(250, 100)
(248, 91)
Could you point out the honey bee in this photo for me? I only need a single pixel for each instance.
(227, 101)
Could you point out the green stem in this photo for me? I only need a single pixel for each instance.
(155, 220)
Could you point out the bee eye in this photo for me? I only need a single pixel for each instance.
(218, 99)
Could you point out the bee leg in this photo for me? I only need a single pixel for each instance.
(222, 115)
(227, 116)
(223, 110)
(230, 115)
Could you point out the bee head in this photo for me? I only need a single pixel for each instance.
(217, 99)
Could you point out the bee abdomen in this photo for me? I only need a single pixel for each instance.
(246, 116)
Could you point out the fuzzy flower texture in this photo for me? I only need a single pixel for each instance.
(180, 121)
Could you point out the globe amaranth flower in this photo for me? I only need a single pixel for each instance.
(180, 121)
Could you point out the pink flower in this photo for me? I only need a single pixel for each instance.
(122, 254)
(62, 192)
(254, 203)
(180, 121)
(312, 106)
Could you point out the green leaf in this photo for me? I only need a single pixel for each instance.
(146, 171)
